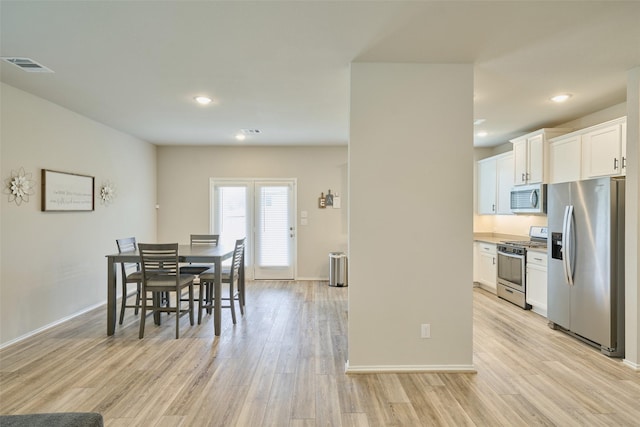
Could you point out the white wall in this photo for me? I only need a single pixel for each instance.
(632, 222)
(410, 229)
(53, 263)
(183, 188)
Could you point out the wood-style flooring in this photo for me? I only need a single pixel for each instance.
(283, 365)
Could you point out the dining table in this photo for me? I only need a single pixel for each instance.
(202, 254)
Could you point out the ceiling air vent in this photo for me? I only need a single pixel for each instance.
(28, 65)
(251, 131)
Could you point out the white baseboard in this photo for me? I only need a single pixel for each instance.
(50, 325)
(387, 369)
(632, 365)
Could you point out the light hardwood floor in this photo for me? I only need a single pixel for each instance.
(283, 365)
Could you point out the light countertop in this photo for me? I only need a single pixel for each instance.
(496, 237)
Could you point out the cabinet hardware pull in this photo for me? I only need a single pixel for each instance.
(615, 163)
(523, 179)
(493, 208)
(494, 261)
(624, 162)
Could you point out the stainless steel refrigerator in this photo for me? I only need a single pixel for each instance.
(586, 261)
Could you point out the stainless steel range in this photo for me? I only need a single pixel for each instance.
(512, 255)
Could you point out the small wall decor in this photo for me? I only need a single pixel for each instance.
(329, 199)
(19, 186)
(62, 191)
(107, 193)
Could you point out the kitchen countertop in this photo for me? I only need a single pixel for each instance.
(496, 237)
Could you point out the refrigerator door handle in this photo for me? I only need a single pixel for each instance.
(569, 245)
(563, 249)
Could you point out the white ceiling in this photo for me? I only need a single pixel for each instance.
(283, 66)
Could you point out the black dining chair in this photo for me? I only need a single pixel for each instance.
(131, 274)
(200, 240)
(230, 275)
(161, 274)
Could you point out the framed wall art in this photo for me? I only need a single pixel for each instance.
(62, 191)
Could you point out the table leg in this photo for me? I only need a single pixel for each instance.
(217, 295)
(111, 296)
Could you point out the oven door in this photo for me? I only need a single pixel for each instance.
(511, 270)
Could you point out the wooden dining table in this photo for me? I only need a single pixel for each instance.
(186, 253)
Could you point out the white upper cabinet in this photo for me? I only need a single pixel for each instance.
(494, 182)
(530, 156)
(565, 159)
(604, 149)
(504, 178)
(486, 185)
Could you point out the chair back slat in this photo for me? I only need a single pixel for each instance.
(159, 259)
(125, 245)
(237, 258)
(205, 239)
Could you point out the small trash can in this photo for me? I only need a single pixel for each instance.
(337, 269)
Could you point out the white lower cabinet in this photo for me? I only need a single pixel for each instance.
(536, 280)
(486, 270)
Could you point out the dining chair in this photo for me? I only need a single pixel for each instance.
(231, 276)
(161, 274)
(200, 240)
(131, 274)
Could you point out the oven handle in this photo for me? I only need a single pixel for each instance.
(511, 255)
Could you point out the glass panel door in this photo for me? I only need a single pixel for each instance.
(263, 212)
(274, 230)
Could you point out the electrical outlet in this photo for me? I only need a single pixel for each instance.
(425, 330)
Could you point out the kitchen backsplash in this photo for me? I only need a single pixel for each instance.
(507, 224)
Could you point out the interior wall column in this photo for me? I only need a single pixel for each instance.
(632, 223)
(410, 217)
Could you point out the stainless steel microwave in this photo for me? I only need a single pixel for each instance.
(529, 199)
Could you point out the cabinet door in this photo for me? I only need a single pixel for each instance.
(504, 172)
(565, 160)
(520, 161)
(601, 152)
(487, 270)
(536, 292)
(535, 169)
(487, 186)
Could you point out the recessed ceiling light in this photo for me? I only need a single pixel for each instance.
(479, 121)
(482, 133)
(204, 100)
(241, 136)
(561, 98)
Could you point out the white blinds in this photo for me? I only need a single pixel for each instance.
(272, 226)
(232, 202)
